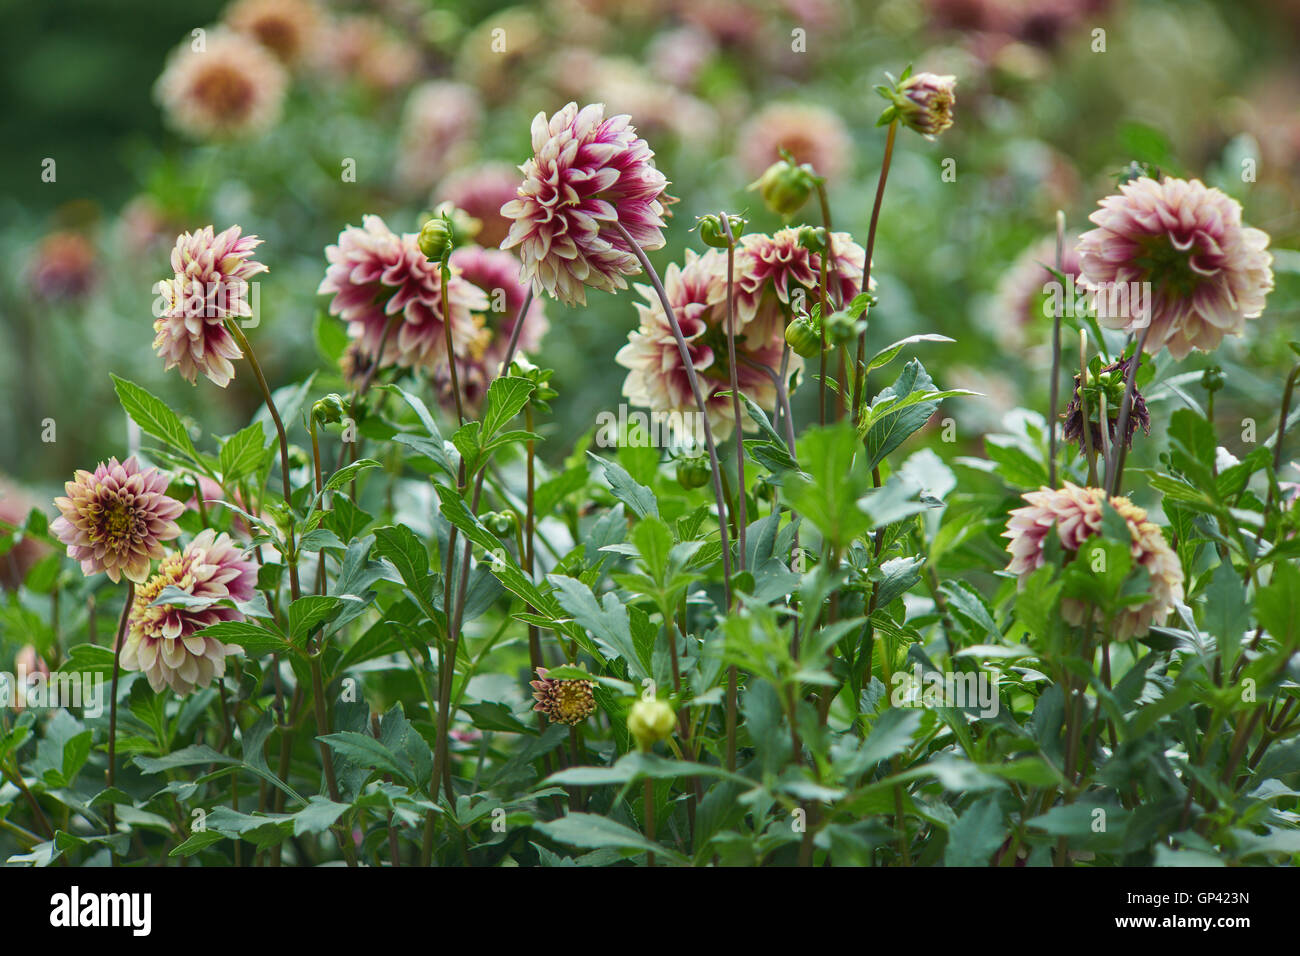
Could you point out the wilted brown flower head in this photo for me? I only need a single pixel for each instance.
(563, 701)
(1076, 515)
(1110, 381)
(115, 519)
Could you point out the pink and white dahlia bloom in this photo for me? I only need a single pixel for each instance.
(1076, 514)
(116, 518)
(1208, 273)
(657, 378)
(232, 87)
(587, 173)
(210, 285)
(377, 277)
(163, 641)
(774, 272)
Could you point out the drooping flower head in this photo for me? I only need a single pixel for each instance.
(226, 87)
(774, 272)
(811, 133)
(657, 378)
(1076, 515)
(587, 173)
(377, 276)
(210, 285)
(288, 28)
(116, 518)
(1179, 248)
(163, 641)
(439, 122)
(563, 701)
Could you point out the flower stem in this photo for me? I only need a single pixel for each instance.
(691, 377)
(111, 812)
(1119, 447)
(866, 266)
(1055, 384)
(741, 518)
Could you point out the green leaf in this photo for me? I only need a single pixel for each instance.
(1277, 606)
(310, 612)
(255, 640)
(890, 352)
(975, 836)
(594, 832)
(153, 416)
(399, 546)
(348, 472)
(626, 489)
(1226, 614)
(506, 398)
(243, 453)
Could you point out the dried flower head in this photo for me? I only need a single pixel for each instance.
(563, 701)
(1076, 515)
(116, 518)
(1109, 381)
(1206, 273)
(378, 278)
(163, 641)
(226, 87)
(587, 172)
(210, 285)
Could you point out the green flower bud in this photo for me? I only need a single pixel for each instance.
(1212, 379)
(812, 238)
(500, 523)
(298, 458)
(804, 338)
(841, 327)
(650, 721)
(712, 233)
(785, 187)
(436, 238)
(329, 409)
(693, 472)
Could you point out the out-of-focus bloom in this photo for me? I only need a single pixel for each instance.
(774, 271)
(439, 124)
(679, 55)
(231, 88)
(1023, 289)
(812, 134)
(366, 49)
(650, 721)
(496, 273)
(494, 55)
(63, 266)
(625, 86)
(587, 172)
(1076, 515)
(1042, 23)
(30, 668)
(288, 28)
(563, 701)
(481, 191)
(213, 493)
(163, 641)
(209, 286)
(116, 518)
(144, 224)
(1207, 273)
(377, 276)
(15, 505)
(1110, 381)
(784, 188)
(923, 102)
(657, 378)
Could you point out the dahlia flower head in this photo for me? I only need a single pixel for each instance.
(210, 285)
(116, 518)
(810, 133)
(229, 87)
(1076, 515)
(288, 28)
(1208, 273)
(163, 641)
(770, 269)
(439, 123)
(496, 273)
(925, 101)
(563, 701)
(377, 277)
(657, 378)
(481, 190)
(588, 173)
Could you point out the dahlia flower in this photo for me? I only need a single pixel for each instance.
(163, 641)
(657, 378)
(1076, 514)
(924, 101)
(1207, 273)
(481, 191)
(587, 173)
(63, 267)
(210, 285)
(115, 519)
(231, 88)
(288, 28)
(365, 48)
(769, 270)
(812, 134)
(374, 275)
(563, 701)
(439, 123)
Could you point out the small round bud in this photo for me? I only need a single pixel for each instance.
(500, 523)
(1212, 379)
(785, 187)
(812, 238)
(712, 233)
(693, 472)
(436, 238)
(329, 409)
(841, 327)
(298, 458)
(650, 721)
(802, 336)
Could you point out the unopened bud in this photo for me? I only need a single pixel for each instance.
(785, 187)
(650, 721)
(693, 472)
(436, 238)
(802, 336)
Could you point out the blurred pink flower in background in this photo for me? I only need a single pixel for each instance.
(439, 124)
(481, 190)
(230, 88)
(812, 134)
(288, 28)
(63, 267)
